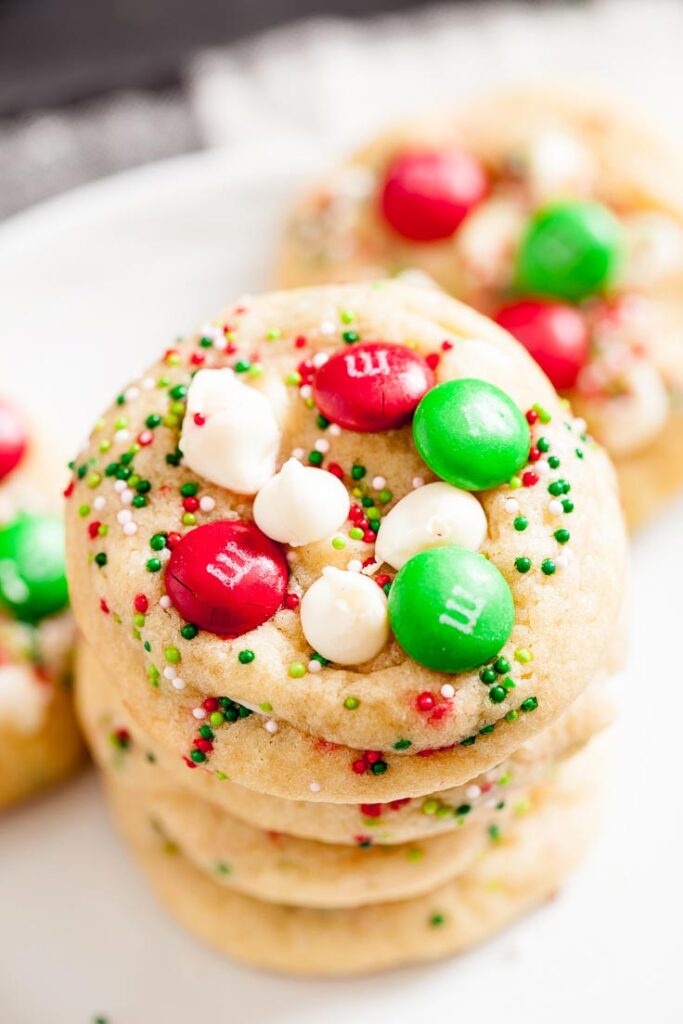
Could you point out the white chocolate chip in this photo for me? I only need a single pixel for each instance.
(236, 445)
(301, 505)
(431, 517)
(344, 617)
(23, 699)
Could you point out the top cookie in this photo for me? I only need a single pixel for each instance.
(241, 513)
(556, 214)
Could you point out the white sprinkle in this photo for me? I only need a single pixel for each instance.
(198, 713)
(580, 426)
(542, 468)
(334, 429)
(162, 555)
(511, 505)
(418, 481)
(447, 691)
(127, 496)
(119, 485)
(555, 507)
(271, 726)
(561, 562)
(99, 502)
(305, 390)
(132, 393)
(124, 516)
(473, 792)
(170, 672)
(379, 483)
(122, 436)
(319, 359)
(130, 529)
(322, 446)
(355, 565)
(314, 787)
(179, 683)
(165, 601)
(292, 556)
(314, 667)
(148, 383)
(207, 504)
(327, 327)
(298, 453)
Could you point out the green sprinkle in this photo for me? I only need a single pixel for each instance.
(206, 342)
(315, 458)
(350, 336)
(522, 564)
(530, 704)
(188, 519)
(172, 655)
(568, 505)
(548, 567)
(497, 694)
(358, 472)
(486, 730)
(543, 444)
(153, 564)
(488, 675)
(297, 669)
(338, 543)
(347, 316)
(157, 541)
(562, 536)
(101, 559)
(84, 510)
(242, 365)
(355, 533)
(501, 666)
(322, 421)
(178, 391)
(523, 656)
(246, 656)
(512, 716)
(430, 806)
(436, 920)
(554, 462)
(216, 718)
(379, 767)
(189, 490)
(139, 501)
(273, 334)
(520, 523)
(189, 632)
(402, 744)
(198, 757)
(351, 703)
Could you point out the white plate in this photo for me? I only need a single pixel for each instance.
(93, 285)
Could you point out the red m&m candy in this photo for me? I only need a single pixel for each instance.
(226, 577)
(554, 333)
(12, 439)
(427, 194)
(372, 387)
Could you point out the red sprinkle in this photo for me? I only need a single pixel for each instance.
(292, 602)
(371, 810)
(172, 539)
(197, 358)
(382, 579)
(425, 701)
(335, 469)
(199, 419)
(104, 606)
(206, 746)
(93, 528)
(358, 767)
(69, 489)
(141, 603)
(432, 360)
(145, 438)
(190, 504)
(300, 341)
(446, 346)
(210, 704)
(532, 417)
(529, 479)
(534, 455)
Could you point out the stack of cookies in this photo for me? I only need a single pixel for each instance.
(350, 583)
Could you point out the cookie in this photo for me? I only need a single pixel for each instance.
(558, 214)
(195, 608)
(520, 871)
(121, 746)
(39, 740)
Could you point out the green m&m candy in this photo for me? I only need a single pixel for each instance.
(471, 434)
(32, 568)
(450, 609)
(570, 250)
